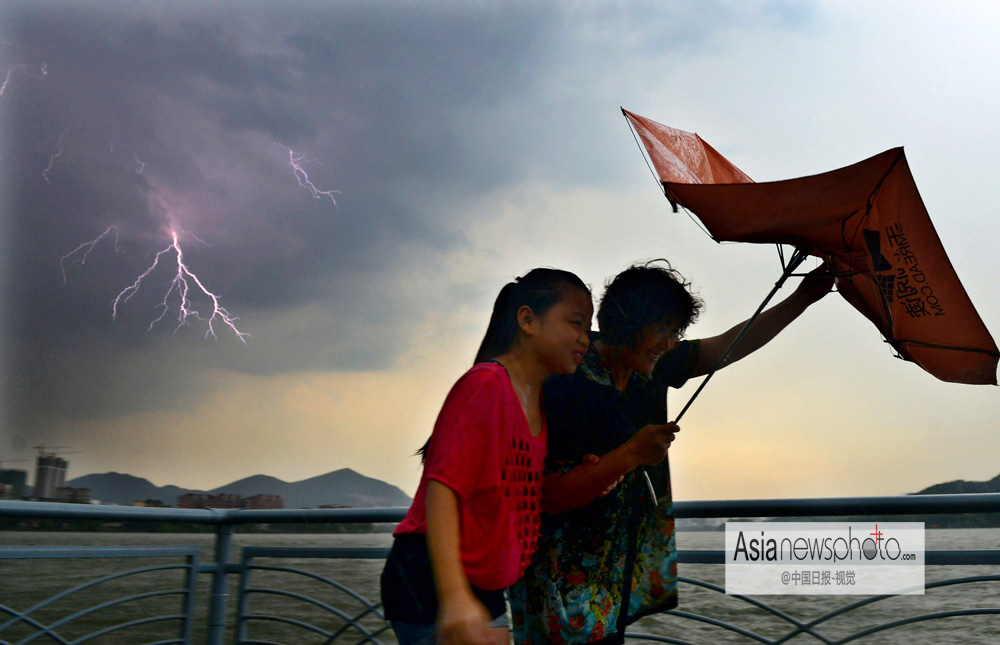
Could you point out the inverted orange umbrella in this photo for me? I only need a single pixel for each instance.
(867, 220)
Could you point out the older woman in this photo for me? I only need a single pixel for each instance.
(600, 553)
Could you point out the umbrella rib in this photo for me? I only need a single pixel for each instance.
(885, 311)
(957, 348)
(642, 151)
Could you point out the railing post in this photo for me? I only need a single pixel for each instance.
(190, 597)
(220, 593)
(243, 599)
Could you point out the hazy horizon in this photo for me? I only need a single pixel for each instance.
(70, 477)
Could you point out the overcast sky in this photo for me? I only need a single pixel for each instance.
(467, 143)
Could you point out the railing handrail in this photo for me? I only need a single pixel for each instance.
(789, 507)
(207, 516)
(842, 506)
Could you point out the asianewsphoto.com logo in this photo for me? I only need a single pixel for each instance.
(753, 546)
(824, 558)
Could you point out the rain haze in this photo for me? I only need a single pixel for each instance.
(355, 181)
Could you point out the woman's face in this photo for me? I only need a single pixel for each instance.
(654, 341)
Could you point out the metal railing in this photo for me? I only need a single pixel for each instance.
(184, 617)
(364, 621)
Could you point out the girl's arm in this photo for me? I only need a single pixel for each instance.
(461, 617)
(588, 481)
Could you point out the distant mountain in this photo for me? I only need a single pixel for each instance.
(962, 486)
(119, 488)
(344, 487)
(960, 520)
(341, 487)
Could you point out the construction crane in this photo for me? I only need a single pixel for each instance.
(54, 450)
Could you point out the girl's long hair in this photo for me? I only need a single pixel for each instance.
(539, 289)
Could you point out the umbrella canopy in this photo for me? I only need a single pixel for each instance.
(866, 219)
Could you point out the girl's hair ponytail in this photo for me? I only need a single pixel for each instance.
(503, 324)
(539, 289)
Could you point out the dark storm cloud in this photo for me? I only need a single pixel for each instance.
(181, 114)
(174, 114)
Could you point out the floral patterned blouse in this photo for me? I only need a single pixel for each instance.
(620, 547)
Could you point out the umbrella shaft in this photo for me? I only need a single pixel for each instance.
(793, 263)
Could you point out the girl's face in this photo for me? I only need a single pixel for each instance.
(562, 335)
(654, 341)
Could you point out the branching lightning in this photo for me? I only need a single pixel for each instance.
(86, 248)
(295, 161)
(181, 285)
(185, 284)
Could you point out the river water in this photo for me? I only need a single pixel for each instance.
(26, 582)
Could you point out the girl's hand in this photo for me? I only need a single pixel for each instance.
(463, 620)
(594, 460)
(649, 445)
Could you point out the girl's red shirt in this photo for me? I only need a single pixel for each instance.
(482, 449)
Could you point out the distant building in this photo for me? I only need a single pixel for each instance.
(225, 500)
(50, 475)
(194, 500)
(74, 495)
(16, 480)
(149, 503)
(264, 502)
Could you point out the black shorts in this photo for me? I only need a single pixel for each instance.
(407, 583)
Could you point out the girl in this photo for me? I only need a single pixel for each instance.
(474, 520)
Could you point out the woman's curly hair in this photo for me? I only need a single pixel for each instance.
(645, 294)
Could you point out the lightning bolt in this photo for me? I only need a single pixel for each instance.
(53, 157)
(185, 283)
(86, 247)
(295, 161)
(6, 81)
(140, 165)
(181, 285)
(24, 70)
